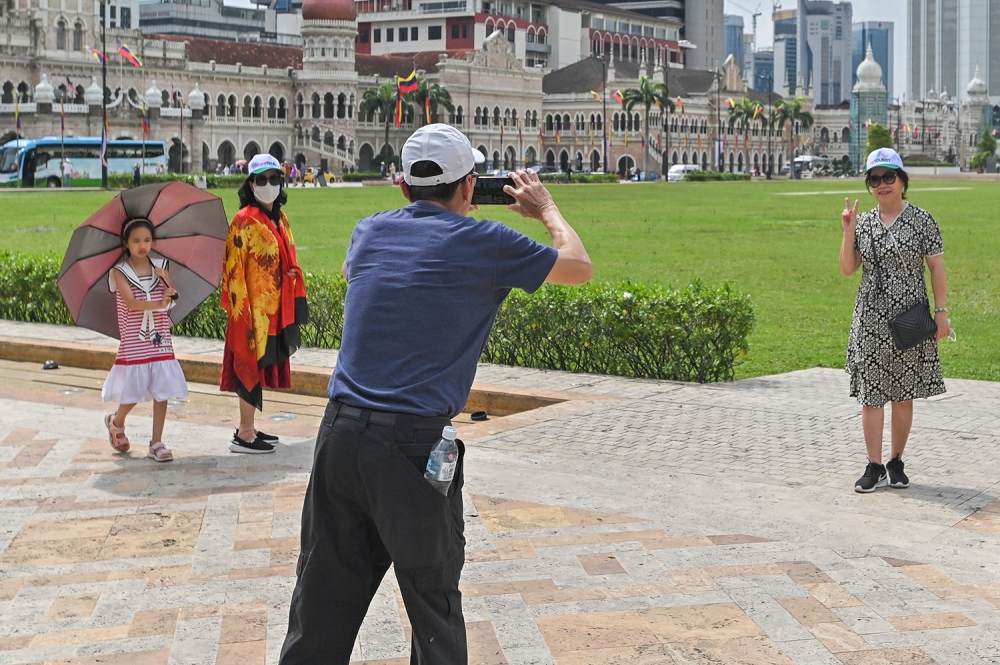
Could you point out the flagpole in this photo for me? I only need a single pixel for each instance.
(104, 94)
(62, 132)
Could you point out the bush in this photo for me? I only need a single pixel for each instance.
(583, 178)
(212, 181)
(695, 334)
(713, 176)
(359, 176)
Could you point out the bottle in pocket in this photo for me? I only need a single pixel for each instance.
(443, 461)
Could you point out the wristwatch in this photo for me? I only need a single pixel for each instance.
(940, 309)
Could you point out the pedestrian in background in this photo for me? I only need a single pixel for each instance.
(136, 175)
(425, 284)
(264, 295)
(67, 169)
(892, 241)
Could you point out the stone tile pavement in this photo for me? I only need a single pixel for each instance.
(637, 522)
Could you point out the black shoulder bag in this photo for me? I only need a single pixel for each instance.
(911, 326)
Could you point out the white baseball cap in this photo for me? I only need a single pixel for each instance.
(445, 146)
(886, 158)
(263, 162)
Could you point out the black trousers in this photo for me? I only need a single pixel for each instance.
(368, 506)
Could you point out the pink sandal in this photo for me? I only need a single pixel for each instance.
(116, 435)
(159, 452)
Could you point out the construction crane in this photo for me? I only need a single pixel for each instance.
(753, 18)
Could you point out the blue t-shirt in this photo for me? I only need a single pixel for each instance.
(424, 288)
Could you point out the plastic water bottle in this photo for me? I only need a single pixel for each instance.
(443, 460)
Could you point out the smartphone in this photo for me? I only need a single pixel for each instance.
(489, 191)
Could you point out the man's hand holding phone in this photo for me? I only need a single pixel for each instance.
(532, 199)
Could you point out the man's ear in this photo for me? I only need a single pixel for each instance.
(406, 190)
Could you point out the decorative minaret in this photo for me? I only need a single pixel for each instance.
(869, 102)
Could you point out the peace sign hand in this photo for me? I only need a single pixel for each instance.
(849, 218)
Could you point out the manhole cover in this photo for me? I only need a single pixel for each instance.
(71, 391)
(282, 416)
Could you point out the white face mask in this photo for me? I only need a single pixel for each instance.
(266, 193)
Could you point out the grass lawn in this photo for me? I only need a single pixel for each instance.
(778, 242)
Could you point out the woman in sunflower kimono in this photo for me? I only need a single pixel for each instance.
(264, 295)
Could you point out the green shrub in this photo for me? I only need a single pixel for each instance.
(712, 176)
(359, 176)
(695, 334)
(212, 181)
(582, 178)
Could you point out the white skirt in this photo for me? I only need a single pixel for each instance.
(156, 381)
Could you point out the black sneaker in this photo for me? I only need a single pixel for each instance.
(896, 476)
(255, 447)
(270, 438)
(874, 477)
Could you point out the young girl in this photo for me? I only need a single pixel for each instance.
(145, 368)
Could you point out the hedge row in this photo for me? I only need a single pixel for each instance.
(695, 334)
(212, 181)
(583, 178)
(706, 176)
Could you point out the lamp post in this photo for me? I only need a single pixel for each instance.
(104, 93)
(770, 124)
(720, 158)
(604, 113)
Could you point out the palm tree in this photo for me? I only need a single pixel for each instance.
(438, 97)
(647, 94)
(381, 101)
(741, 116)
(792, 111)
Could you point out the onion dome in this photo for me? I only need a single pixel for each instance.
(196, 100)
(44, 93)
(869, 73)
(154, 98)
(329, 10)
(93, 94)
(977, 86)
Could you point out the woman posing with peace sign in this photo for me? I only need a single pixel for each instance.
(892, 354)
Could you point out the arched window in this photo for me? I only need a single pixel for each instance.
(559, 124)
(350, 107)
(220, 108)
(272, 108)
(846, 135)
(315, 134)
(328, 138)
(824, 135)
(282, 110)
(459, 116)
(342, 143)
(316, 109)
(247, 106)
(341, 105)
(496, 116)
(300, 107)
(328, 105)
(61, 35)
(258, 107)
(548, 123)
(78, 36)
(231, 109)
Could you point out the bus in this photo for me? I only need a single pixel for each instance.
(808, 166)
(38, 162)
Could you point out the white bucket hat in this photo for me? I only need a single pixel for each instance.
(445, 146)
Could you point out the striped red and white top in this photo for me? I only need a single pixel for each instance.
(145, 336)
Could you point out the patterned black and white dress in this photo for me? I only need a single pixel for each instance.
(881, 373)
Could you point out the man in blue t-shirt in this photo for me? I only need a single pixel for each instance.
(425, 284)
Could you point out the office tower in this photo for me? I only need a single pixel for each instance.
(947, 40)
(703, 26)
(734, 38)
(880, 35)
(763, 71)
(824, 49)
(785, 56)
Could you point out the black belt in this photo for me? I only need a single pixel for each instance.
(387, 418)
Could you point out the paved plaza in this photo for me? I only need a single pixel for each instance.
(630, 521)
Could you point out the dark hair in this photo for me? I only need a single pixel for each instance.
(441, 193)
(130, 225)
(900, 173)
(247, 198)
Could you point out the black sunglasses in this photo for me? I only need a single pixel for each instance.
(262, 180)
(887, 178)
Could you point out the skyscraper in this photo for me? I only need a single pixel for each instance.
(734, 38)
(947, 40)
(703, 25)
(824, 58)
(763, 71)
(880, 35)
(786, 51)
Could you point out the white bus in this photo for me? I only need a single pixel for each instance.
(38, 162)
(810, 165)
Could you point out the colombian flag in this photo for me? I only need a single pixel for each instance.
(597, 97)
(125, 52)
(142, 119)
(427, 108)
(409, 84)
(730, 103)
(618, 97)
(758, 111)
(98, 53)
(680, 104)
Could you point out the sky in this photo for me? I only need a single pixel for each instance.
(864, 10)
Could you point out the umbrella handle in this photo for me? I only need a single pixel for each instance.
(174, 297)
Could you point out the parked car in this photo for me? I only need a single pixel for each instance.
(677, 172)
(312, 174)
(541, 170)
(498, 173)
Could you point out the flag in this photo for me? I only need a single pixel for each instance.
(142, 119)
(597, 97)
(850, 123)
(97, 53)
(399, 109)
(125, 52)
(680, 104)
(427, 108)
(70, 89)
(868, 124)
(17, 111)
(541, 136)
(758, 111)
(730, 103)
(408, 84)
(558, 136)
(619, 97)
